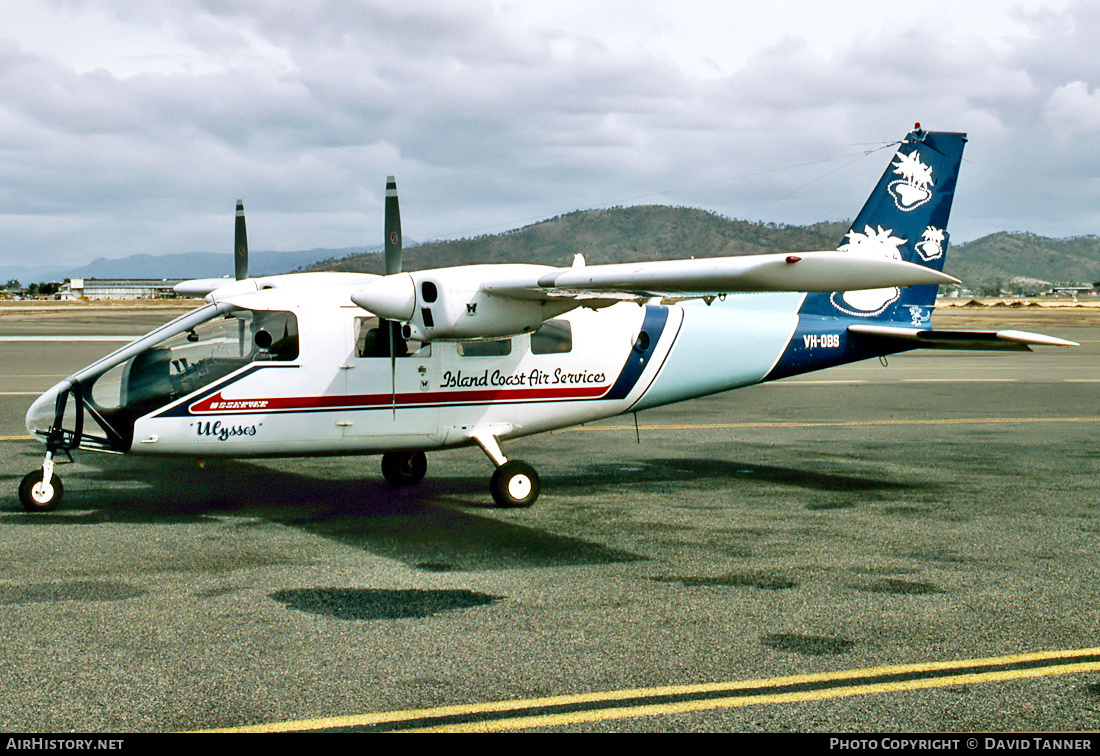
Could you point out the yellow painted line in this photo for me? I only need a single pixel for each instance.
(959, 380)
(836, 423)
(17, 438)
(512, 716)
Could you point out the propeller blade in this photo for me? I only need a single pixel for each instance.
(393, 228)
(240, 245)
(393, 265)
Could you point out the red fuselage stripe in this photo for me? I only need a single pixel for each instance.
(216, 404)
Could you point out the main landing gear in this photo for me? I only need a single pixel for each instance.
(404, 468)
(514, 483)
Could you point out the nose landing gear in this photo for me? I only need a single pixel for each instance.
(41, 490)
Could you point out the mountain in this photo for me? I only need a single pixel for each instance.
(1025, 262)
(1017, 261)
(181, 265)
(1021, 261)
(618, 234)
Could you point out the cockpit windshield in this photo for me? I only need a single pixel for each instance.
(181, 358)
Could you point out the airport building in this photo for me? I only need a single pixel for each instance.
(119, 288)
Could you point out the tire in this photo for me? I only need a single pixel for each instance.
(404, 468)
(515, 484)
(35, 497)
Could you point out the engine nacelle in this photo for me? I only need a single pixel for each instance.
(448, 304)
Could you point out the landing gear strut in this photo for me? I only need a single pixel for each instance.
(514, 483)
(404, 468)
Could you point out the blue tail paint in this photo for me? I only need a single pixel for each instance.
(905, 218)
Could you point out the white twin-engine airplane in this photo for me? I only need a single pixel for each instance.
(340, 363)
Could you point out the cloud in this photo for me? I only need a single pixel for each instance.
(134, 127)
(1073, 110)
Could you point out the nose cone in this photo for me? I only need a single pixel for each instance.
(390, 297)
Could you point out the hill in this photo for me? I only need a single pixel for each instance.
(1015, 261)
(1022, 261)
(618, 234)
(1025, 262)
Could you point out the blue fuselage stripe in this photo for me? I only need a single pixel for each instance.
(653, 325)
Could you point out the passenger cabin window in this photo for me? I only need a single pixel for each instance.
(553, 337)
(487, 348)
(372, 340)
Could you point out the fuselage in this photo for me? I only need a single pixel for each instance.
(320, 378)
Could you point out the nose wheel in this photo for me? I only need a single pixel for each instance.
(41, 490)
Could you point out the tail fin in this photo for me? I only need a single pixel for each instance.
(240, 245)
(904, 218)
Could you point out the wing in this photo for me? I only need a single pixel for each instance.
(805, 271)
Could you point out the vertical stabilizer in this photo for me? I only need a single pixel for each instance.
(240, 245)
(905, 218)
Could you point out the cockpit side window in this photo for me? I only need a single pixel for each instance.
(275, 336)
(373, 340)
(189, 358)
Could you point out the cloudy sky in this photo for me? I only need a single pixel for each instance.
(130, 127)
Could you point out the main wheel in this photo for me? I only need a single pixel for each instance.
(404, 468)
(515, 484)
(38, 496)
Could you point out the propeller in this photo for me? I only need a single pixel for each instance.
(392, 248)
(240, 245)
(393, 228)
(240, 263)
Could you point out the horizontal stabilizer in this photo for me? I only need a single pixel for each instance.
(804, 271)
(974, 340)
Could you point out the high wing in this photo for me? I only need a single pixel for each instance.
(489, 301)
(1001, 341)
(805, 271)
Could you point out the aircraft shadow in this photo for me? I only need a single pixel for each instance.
(434, 526)
(657, 474)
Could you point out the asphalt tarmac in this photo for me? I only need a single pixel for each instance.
(911, 548)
